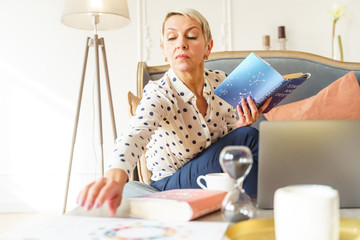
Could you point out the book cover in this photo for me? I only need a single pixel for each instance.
(177, 204)
(254, 77)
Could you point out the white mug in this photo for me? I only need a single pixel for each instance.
(216, 181)
(308, 212)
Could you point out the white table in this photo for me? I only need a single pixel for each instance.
(213, 217)
(123, 212)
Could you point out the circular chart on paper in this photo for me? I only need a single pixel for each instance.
(138, 232)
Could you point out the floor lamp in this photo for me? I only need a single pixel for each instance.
(94, 15)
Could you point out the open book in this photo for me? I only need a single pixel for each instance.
(254, 77)
(177, 204)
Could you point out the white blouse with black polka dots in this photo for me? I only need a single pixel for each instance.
(168, 124)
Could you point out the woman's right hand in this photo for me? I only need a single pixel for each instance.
(107, 189)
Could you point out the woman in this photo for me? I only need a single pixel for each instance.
(180, 121)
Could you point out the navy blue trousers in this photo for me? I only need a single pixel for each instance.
(208, 162)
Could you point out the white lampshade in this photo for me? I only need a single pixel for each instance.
(111, 14)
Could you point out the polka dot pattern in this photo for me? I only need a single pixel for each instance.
(169, 126)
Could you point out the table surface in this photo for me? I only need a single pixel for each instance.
(123, 212)
(12, 221)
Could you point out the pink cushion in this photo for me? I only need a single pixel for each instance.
(339, 100)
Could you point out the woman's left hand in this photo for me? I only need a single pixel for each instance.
(249, 116)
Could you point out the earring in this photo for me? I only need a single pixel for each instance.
(165, 59)
(206, 57)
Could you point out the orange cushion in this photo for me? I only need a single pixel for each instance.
(339, 100)
(133, 103)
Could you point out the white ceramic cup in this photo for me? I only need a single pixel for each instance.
(308, 212)
(216, 181)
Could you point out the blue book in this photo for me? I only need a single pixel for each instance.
(254, 77)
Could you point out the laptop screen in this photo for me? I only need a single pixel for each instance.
(309, 152)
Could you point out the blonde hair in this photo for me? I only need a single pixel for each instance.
(190, 13)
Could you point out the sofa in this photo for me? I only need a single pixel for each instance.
(309, 97)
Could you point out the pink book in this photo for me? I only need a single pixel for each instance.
(177, 204)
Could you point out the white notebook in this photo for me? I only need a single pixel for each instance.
(102, 228)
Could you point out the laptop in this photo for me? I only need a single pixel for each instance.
(310, 152)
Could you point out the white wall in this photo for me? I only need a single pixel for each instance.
(40, 70)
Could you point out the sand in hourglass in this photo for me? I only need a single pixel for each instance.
(238, 168)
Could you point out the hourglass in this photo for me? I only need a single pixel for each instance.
(237, 162)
